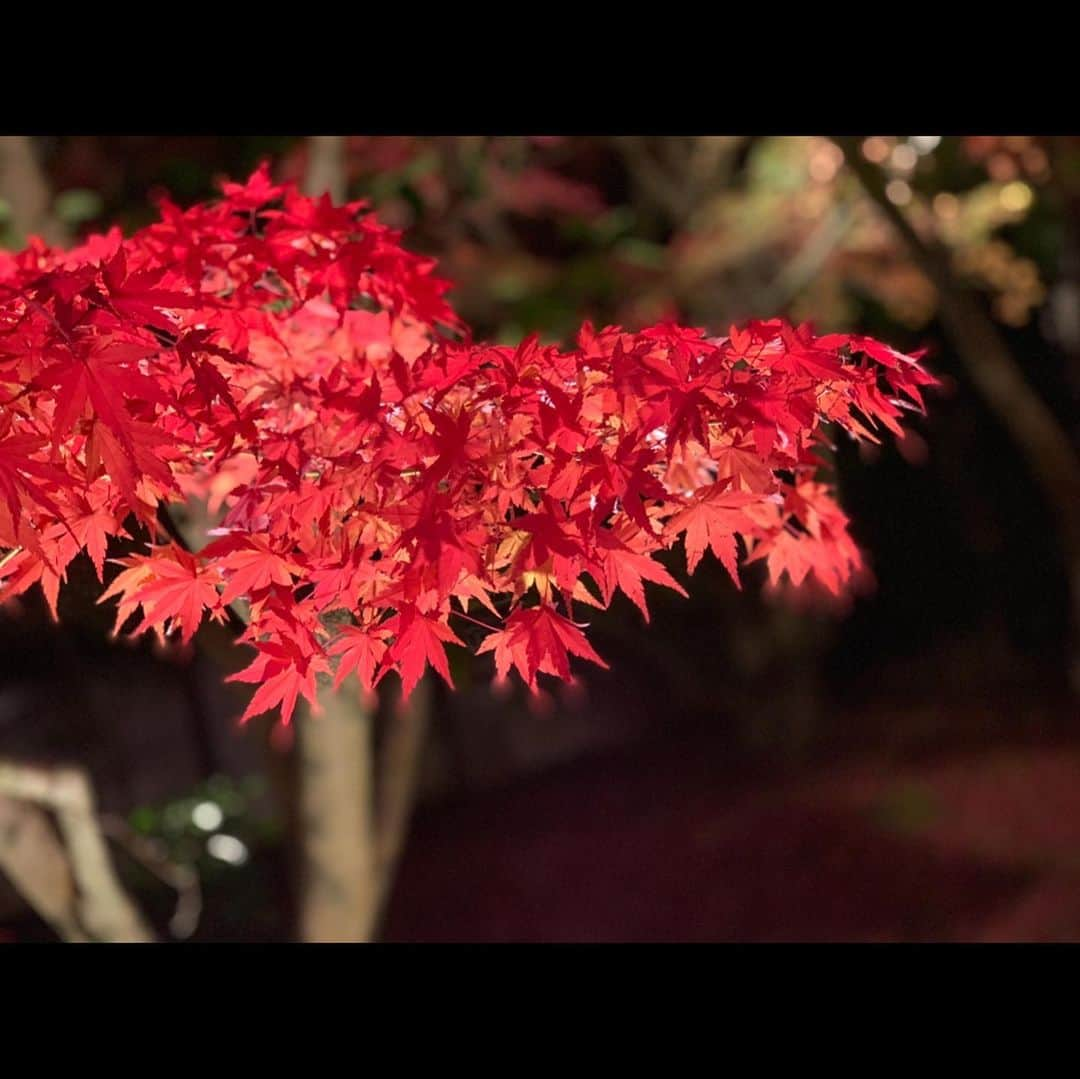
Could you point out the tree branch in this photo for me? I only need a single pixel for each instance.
(995, 373)
(184, 879)
(104, 910)
(655, 183)
(989, 363)
(799, 271)
(34, 860)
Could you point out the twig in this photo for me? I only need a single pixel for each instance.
(657, 185)
(9, 555)
(800, 271)
(150, 854)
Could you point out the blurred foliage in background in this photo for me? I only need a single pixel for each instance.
(540, 232)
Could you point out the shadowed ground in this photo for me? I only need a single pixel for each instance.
(665, 848)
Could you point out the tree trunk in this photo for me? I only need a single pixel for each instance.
(339, 882)
(338, 887)
(24, 186)
(354, 807)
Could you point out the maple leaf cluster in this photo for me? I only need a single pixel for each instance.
(379, 477)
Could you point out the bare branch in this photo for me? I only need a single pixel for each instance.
(990, 364)
(150, 854)
(34, 860)
(996, 374)
(710, 162)
(656, 184)
(104, 909)
(799, 271)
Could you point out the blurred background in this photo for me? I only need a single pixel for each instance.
(754, 766)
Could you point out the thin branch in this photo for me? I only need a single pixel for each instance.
(710, 162)
(801, 270)
(150, 854)
(9, 555)
(654, 181)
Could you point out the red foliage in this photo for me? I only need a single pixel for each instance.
(289, 362)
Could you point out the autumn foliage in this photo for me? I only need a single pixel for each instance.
(379, 479)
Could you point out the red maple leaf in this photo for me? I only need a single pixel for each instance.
(535, 640)
(418, 640)
(626, 569)
(713, 520)
(173, 589)
(284, 673)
